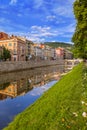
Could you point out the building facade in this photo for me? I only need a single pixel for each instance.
(29, 49)
(59, 53)
(68, 54)
(16, 46)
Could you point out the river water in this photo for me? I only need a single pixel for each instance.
(20, 89)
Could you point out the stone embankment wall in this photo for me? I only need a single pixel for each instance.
(24, 65)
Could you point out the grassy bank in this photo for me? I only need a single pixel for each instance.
(62, 107)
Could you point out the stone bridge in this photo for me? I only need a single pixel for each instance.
(69, 64)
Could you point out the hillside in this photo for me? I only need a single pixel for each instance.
(59, 44)
(62, 107)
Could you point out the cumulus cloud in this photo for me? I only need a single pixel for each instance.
(42, 31)
(40, 28)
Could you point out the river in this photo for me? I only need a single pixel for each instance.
(20, 89)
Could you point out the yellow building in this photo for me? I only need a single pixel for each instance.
(16, 46)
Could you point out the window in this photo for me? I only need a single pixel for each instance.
(15, 51)
(10, 44)
(14, 44)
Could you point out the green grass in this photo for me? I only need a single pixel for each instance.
(60, 108)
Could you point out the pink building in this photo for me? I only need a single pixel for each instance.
(59, 52)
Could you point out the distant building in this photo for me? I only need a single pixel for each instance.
(47, 52)
(16, 46)
(29, 49)
(53, 54)
(59, 52)
(38, 51)
(68, 54)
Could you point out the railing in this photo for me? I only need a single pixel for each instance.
(69, 64)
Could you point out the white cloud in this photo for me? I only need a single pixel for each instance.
(40, 29)
(11, 25)
(13, 2)
(67, 35)
(61, 8)
(70, 1)
(65, 11)
(38, 3)
(50, 17)
(36, 39)
(69, 28)
(4, 20)
(67, 31)
(40, 33)
(19, 15)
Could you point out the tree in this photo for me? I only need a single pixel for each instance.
(6, 54)
(80, 36)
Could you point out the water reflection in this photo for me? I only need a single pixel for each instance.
(20, 89)
(15, 88)
(19, 83)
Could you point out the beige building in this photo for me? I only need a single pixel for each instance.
(68, 54)
(29, 49)
(16, 46)
(47, 52)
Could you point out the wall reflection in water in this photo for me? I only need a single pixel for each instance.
(19, 83)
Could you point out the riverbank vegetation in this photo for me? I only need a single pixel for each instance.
(62, 107)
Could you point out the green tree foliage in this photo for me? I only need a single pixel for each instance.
(6, 54)
(58, 44)
(80, 36)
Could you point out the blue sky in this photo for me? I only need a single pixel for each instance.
(38, 20)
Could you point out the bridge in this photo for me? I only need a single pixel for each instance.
(69, 64)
